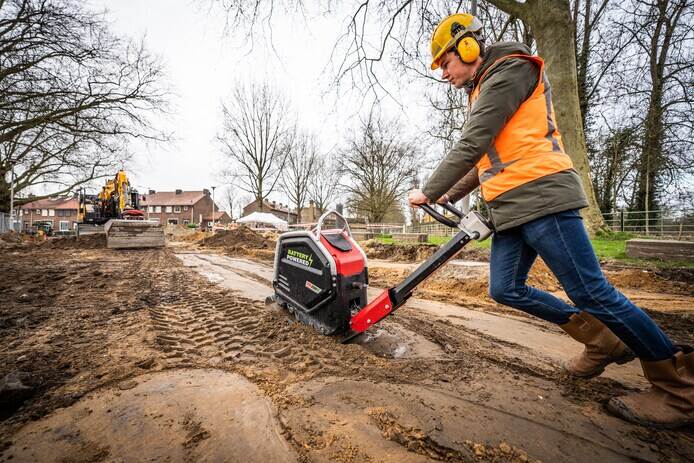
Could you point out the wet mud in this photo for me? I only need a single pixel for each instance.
(93, 330)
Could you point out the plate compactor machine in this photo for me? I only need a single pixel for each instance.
(321, 276)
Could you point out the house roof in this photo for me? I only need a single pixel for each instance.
(277, 207)
(171, 198)
(52, 203)
(217, 215)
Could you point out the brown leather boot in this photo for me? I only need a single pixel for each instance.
(602, 346)
(670, 401)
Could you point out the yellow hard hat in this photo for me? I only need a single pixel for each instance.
(449, 32)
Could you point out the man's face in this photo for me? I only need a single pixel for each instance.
(455, 71)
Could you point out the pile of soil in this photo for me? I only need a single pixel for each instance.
(626, 278)
(179, 232)
(245, 242)
(400, 253)
(197, 235)
(10, 240)
(652, 281)
(416, 252)
(95, 241)
(10, 237)
(241, 236)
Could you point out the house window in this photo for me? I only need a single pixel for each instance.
(64, 225)
(157, 209)
(185, 208)
(172, 221)
(150, 209)
(44, 212)
(168, 209)
(51, 212)
(177, 209)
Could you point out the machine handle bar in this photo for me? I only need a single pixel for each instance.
(442, 218)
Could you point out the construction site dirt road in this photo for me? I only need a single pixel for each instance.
(171, 354)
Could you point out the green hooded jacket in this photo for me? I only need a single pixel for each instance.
(507, 85)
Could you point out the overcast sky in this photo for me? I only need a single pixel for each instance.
(203, 64)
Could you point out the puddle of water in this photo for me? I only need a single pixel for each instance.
(397, 342)
(211, 276)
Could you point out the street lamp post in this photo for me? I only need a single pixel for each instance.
(213, 188)
(12, 198)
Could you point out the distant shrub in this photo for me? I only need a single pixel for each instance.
(613, 235)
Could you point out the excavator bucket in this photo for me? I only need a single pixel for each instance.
(130, 234)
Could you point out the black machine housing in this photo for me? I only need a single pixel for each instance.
(321, 276)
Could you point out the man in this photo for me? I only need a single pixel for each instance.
(511, 146)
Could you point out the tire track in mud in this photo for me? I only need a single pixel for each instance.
(202, 325)
(197, 323)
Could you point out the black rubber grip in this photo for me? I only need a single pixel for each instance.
(438, 216)
(452, 209)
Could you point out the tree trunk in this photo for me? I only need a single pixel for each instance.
(582, 64)
(552, 27)
(4, 191)
(650, 159)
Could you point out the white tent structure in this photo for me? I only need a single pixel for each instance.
(263, 220)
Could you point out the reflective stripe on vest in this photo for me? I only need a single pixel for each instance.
(528, 147)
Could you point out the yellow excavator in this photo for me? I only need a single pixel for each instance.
(116, 208)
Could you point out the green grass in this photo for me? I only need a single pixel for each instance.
(610, 246)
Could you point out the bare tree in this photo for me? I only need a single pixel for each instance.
(231, 199)
(323, 183)
(586, 18)
(377, 168)
(660, 83)
(298, 169)
(255, 138)
(612, 165)
(71, 95)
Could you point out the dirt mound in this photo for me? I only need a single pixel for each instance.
(416, 252)
(95, 241)
(647, 280)
(195, 236)
(11, 237)
(10, 241)
(178, 232)
(244, 241)
(400, 253)
(626, 278)
(241, 236)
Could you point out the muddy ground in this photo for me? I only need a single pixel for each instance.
(164, 354)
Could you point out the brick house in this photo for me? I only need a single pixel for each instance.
(60, 212)
(179, 207)
(220, 218)
(277, 209)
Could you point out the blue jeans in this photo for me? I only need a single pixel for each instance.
(562, 242)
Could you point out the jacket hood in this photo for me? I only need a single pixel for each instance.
(498, 50)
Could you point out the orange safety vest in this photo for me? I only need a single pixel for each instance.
(529, 146)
